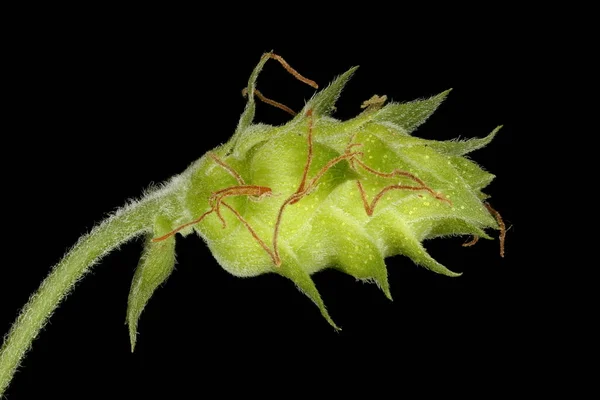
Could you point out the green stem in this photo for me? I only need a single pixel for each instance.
(119, 228)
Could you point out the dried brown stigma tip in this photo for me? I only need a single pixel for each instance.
(293, 198)
(471, 242)
(346, 156)
(291, 70)
(309, 115)
(363, 196)
(174, 231)
(227, 168)
(496, 215)
(270, 102)
(392, 174)
(441, 197)
(393, 187)
(396, 173)
(252, 232)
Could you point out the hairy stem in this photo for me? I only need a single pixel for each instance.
(117, 229)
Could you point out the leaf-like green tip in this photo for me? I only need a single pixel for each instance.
(386, 290)
(248, 115)
(462, 147)
(401, 239)
(421, 257)
(323, 103)
(409, 116)
(293, 271)
(155, 266)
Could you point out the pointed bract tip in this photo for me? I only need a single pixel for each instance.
(388, 294)
(132, 339)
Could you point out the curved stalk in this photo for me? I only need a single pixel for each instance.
(115, 230)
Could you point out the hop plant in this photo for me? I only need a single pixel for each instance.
(312, 194)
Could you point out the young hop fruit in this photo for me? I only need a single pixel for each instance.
(314, 193)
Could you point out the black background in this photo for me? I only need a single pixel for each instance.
(106, 105)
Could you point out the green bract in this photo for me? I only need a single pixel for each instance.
(312, 194)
